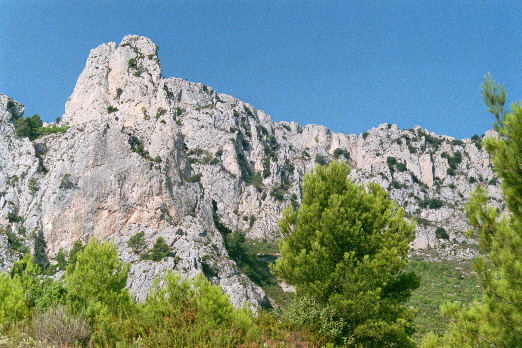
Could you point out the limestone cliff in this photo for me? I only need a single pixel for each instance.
(170, 158)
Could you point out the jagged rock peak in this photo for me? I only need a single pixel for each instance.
(9, 109)
(122, 79)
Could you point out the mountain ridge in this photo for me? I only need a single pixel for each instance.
(175, 159)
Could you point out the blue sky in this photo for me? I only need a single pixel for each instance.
(349, 65)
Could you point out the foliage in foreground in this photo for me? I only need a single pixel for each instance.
(345, 252)
(495, 321)
(91, 306)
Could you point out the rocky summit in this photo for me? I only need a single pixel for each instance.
(178, 160)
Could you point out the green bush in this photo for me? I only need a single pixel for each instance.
(433, 203)
(193, 178)
(321, 160)
(28, 127)
(33, 186)
(158, 252)
(441, 233)
(401, 167)
(341, 152)
(111, 109)
(256, 180)
(60, 259)
(391, 161)
(96, 281)
(137, 242)
(132, 63)
(190, 313)
(15, 289)
(278, 193)
(266, 167)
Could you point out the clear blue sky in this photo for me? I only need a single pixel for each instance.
(349, 65)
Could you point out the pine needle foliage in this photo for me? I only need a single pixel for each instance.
(495, 320)
(345, 251)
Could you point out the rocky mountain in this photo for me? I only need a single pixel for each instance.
(177, 160)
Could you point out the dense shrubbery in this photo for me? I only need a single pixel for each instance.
(32, 127)
(91, 306)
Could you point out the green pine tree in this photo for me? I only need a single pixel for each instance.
(158, 252)
(73, 254)
(96, 281)
(60, 259)
(345, 252)
(137, 242)
(495, 320)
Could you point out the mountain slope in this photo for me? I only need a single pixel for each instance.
(175, 159)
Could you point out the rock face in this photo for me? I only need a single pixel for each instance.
(171, 158)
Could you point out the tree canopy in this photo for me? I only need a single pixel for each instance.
(345, 252)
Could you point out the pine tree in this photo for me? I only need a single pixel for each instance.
(495, 321)
(158, 252)
(137, 242)
(345, 252)
(96, 281)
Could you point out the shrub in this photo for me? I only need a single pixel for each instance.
(160, 112)
(341, 152)
(73, 255)
(28, 127)
(137, 242)
(59, 327)
(433, 203)
(132, 63)
(33, 186)
(266, 167)
(278, 194)
(255, 180)
(193, 178)
(111, 109)
(15, 304)
(66, 183)
(401, 167)
(391, 161)
(249, 112)
(13, 217)
(96, 281)
(60, 259)
(441, 233)
(158, 252)
(10, 104)
(192, 313)
(319, 159)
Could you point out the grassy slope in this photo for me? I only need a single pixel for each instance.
(441, 282)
